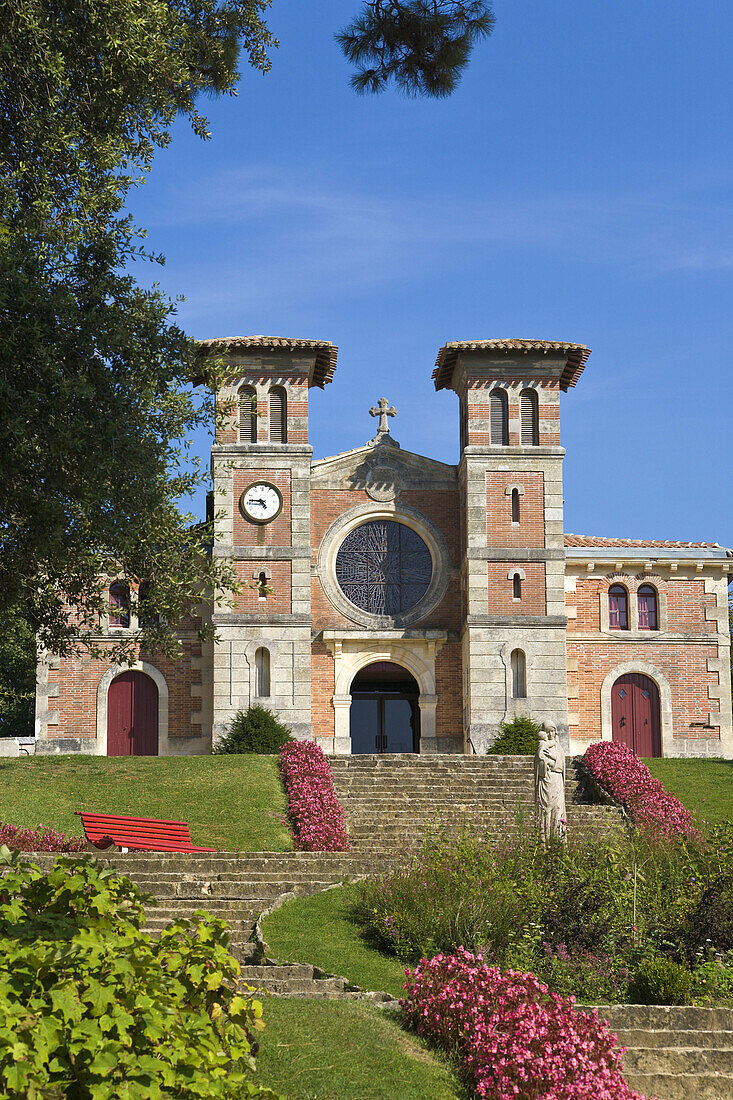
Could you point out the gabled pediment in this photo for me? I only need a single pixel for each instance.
(383, 461)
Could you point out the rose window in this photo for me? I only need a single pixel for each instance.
(384, 567)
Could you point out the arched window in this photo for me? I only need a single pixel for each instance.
(618, 608)
(519, 674)
(278, 415)
(515, 505)
(529, 418)
(247, 415)
(647, 602)
(262, 672)
(499, 416)
(119, 604)
(517, 586)
(262, 585)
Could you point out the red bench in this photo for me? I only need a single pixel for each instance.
(138, 834)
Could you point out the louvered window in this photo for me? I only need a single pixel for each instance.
(519, 674)
(278, 415)
(647, 598)
(529, 417)
(262, 672)
(515, 505)
(499, 418)
(247, 415)
(618, 608)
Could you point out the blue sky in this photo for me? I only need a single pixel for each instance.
(576, 187)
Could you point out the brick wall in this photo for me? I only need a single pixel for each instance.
(322, 688)
(448, 677)
(476, 402)
(501, 600)
(276, 533)
(277, 602)
(500, 531)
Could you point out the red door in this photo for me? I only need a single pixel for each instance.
(132, 716)
(635, 714)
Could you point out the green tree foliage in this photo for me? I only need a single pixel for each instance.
(17, 676)
(421, 45)
(256, 730)
(92, 1008)
(518, 737)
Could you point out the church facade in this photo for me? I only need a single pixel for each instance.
(393, 603)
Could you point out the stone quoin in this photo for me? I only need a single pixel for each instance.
(394, 603)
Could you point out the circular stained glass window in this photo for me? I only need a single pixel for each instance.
(384, 567)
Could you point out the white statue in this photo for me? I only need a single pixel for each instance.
(549, 783)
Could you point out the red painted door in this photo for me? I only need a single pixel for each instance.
(635, 714)
(132, 716)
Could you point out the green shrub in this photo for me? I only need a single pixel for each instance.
(92, 1007)
(712, 980)
(661, 982)
(710, 922)
(256, 730)
(516, 738)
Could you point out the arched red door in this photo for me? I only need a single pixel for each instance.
(635, 714)
(132, 716)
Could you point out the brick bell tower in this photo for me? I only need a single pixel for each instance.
(261, 464)
(513, 555)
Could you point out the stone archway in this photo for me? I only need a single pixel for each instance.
(665, 700)
(102, 704)
(385, 715)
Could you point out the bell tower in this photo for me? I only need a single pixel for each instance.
(513, 555)
(261, 464)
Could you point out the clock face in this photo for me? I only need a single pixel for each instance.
(261, 502)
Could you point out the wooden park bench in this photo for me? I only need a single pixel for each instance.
(137, 834)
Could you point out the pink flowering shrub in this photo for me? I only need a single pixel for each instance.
(512, 1037)
(315, 814)
(620, 772)
(40, 839)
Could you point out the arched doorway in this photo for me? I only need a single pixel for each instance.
(635, 714)
(132, 715)
(384, 714)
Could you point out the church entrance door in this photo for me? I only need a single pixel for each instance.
(635, 714)
(384, 716)
(132, 716)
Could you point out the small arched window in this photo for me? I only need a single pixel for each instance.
(618, 608)
(278, 415)
(647, 603)
(519, 674)
(499, 417)
(515, 505)
(248, 415)
(119, 604)
(517, 587)
(262, 585)
(529, 418)
(262, 672)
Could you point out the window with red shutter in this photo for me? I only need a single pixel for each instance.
(618, 608)
(647, 598)
(119, 604)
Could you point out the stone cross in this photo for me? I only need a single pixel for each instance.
(383, 409)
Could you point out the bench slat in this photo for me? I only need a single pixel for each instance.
(141, 833)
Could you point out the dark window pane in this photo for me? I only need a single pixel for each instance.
(384, 567)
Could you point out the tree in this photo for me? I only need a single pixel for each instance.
(95, 376)
(17, 676)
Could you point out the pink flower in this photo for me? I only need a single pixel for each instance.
(315, 814)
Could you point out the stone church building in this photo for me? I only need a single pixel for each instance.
(393, 603)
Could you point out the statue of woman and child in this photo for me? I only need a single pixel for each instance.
(549, 783)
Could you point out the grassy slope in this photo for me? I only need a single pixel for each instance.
(316, 930)
(230, 802)
(346, 1050)
(704, 786)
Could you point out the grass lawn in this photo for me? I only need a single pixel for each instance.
(316, 930)
(230, 802)
(704, 786)
(347, 1050)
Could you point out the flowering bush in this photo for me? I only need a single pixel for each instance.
(41, 839)
(595, 978)
(513, 1038)
(315, 814)
(620, 771)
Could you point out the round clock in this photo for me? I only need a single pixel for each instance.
(261, 502)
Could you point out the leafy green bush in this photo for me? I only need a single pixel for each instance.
(516, 738)
(660, 982)
(712, 979)
(710, 922)
(92, 1007)
(256, 730)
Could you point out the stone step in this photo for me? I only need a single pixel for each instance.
(665, 1017)
(682, 1086)
(703, 1040)
(679, 1060)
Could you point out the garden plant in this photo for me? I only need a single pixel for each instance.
(314, 811)
(256, 730)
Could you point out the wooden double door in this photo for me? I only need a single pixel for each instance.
(635, 714)
(132, 715)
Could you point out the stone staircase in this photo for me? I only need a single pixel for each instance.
(675, 1053)
(391, 801)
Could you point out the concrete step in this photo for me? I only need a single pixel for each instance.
(683, 1086)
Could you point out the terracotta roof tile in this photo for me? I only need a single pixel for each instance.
(577, 354)
(598, 541)
(326, 352)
